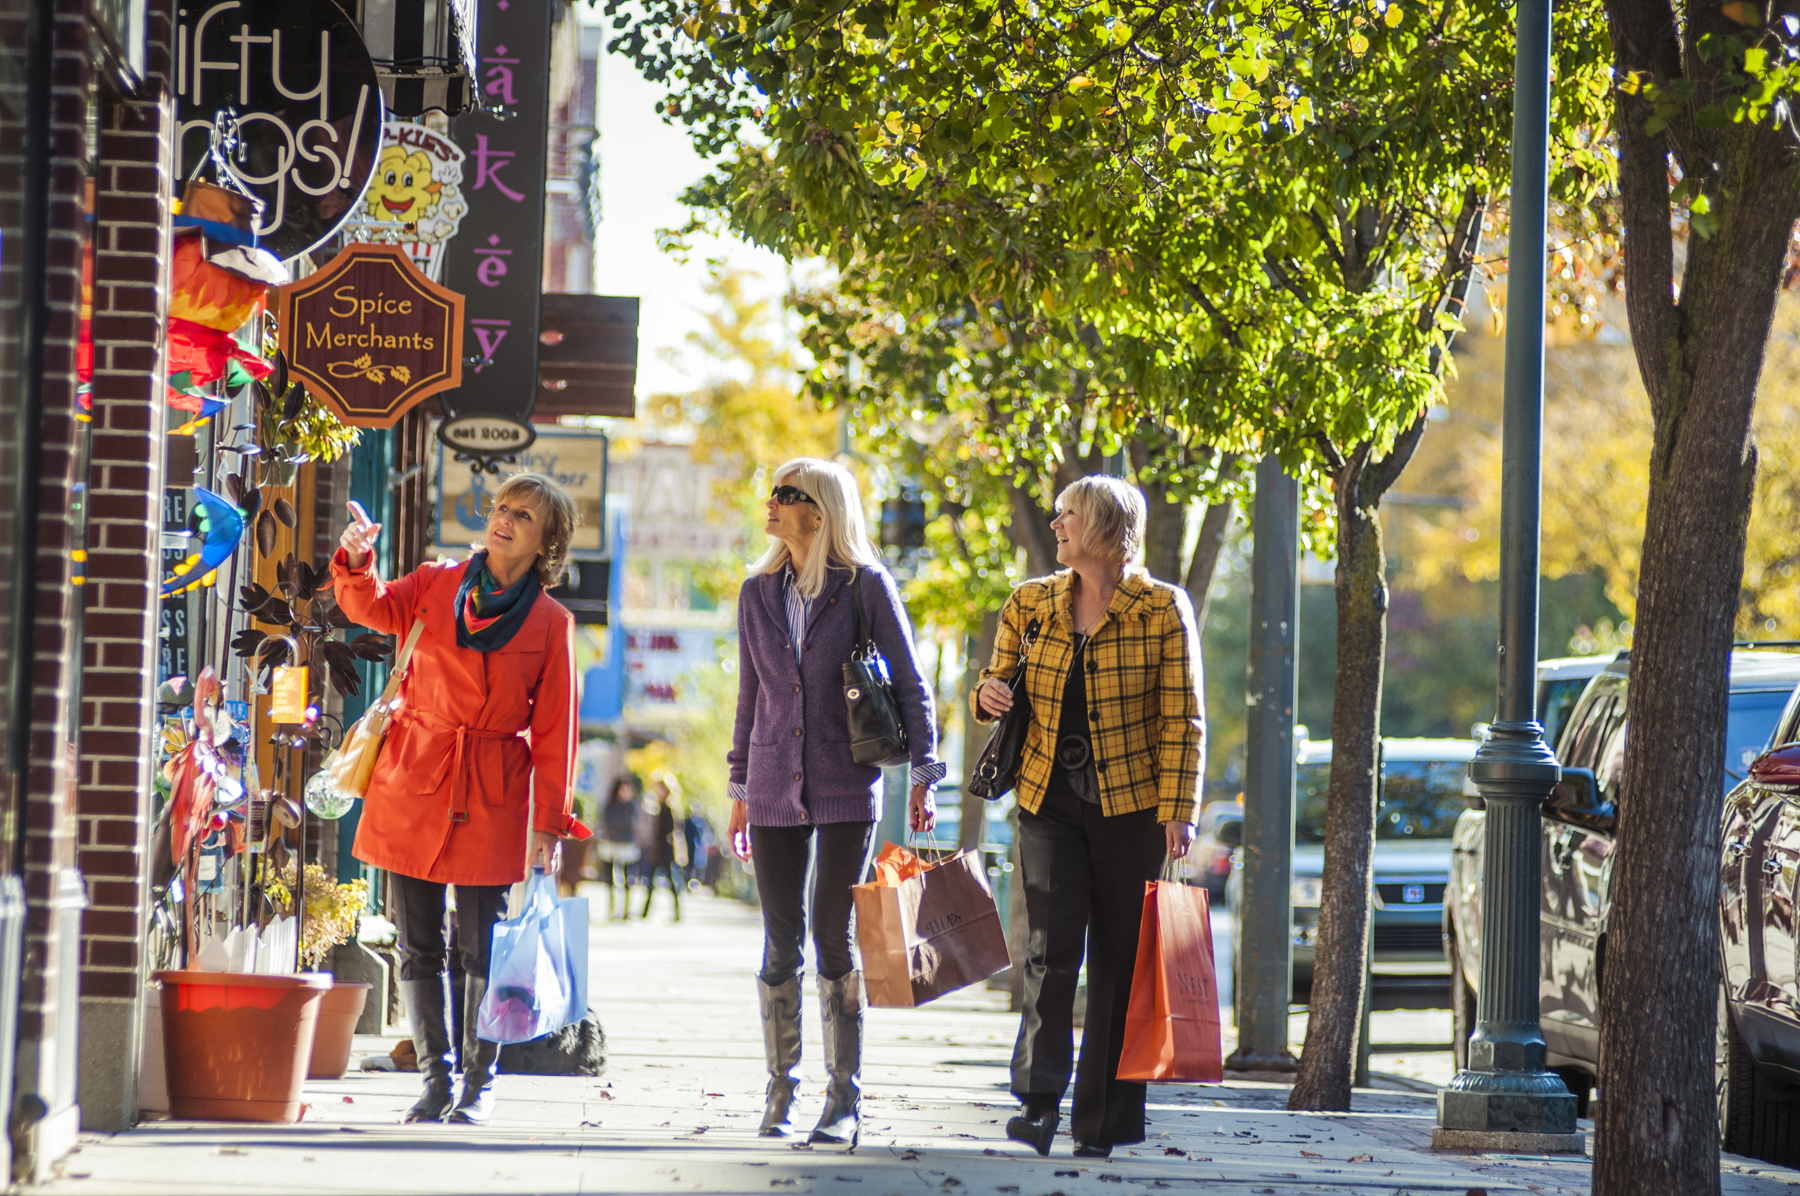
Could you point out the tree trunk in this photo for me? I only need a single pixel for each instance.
(1205, 562)
(1030, 530)
(1165, 527)
(1335, 1011)
(1700, 357)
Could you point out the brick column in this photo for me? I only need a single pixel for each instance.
(118, 756)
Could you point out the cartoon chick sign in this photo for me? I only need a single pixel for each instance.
(415, 198)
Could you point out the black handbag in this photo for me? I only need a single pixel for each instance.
(877, 736)
(997, 771)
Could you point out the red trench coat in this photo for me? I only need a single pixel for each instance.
(483, 743)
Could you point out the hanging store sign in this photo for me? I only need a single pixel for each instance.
(497, 260)
(574, 457)
(485, 437)
(295, 80)
(370, 336)
(416, 200)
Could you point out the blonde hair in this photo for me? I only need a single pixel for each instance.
(1113, 514)
(560, 518)
(843, 536)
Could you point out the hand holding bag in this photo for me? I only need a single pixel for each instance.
(353, 764)
(877, 736)
(997, 771)
(538, 969)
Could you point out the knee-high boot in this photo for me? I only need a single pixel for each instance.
(481, 1060)
(427, 1010)
(841, 1008)
(781, 1045)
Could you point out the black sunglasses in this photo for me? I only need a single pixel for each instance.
(787, 496)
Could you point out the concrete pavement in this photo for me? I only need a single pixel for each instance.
(677, 1112)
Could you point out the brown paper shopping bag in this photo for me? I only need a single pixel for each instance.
(1172, 1023)
(934, 931)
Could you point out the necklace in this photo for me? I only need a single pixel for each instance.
(1106, 601)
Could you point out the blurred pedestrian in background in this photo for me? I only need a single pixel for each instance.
(1108, 786)
(668, 849)
(616, 848)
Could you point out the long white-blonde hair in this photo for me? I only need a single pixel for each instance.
(843, 536)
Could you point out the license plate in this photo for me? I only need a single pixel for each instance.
(1413, 894)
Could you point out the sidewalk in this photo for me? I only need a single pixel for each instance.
(677, 1112)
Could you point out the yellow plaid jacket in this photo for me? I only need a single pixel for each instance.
(1143, 692)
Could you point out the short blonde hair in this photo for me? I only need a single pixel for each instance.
(1114, 513)
(560, 519)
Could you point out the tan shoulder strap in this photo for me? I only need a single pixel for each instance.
(402, 661)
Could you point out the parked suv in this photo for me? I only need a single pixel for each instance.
(1423, 790)
(1577, 842)
(1758, 1056)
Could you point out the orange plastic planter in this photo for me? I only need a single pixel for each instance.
(236, 1045)
(336, 1032)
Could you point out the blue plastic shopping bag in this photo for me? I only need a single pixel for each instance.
(538, 969)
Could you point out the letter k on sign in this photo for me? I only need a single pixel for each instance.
(488, 163)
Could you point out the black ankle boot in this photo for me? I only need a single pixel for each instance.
(1035, 1125)
(481, 1061)
(426, 1009)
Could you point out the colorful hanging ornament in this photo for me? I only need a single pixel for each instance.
(219, 281)
(222, 525)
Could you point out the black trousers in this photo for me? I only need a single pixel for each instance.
(1084, 877)
(674, 874)
(833, 856)
(419, 916)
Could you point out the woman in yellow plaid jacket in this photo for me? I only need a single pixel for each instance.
(1108, 787)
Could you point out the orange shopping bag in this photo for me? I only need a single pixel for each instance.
(1172, 1023)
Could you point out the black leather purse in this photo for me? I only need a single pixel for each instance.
(997, 771)
(877, 736)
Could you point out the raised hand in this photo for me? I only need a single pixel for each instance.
(359, 538)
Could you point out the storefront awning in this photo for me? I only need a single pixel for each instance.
(588, 361)
(424, 52)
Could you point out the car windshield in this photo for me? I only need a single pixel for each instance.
(1749, 721)
(1420, 799)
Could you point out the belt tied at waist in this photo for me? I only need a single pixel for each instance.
(453, 763)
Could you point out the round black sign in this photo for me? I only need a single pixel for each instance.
(308, 109)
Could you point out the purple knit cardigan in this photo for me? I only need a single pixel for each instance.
(791, 748)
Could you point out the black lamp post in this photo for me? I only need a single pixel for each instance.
(1506, 1098)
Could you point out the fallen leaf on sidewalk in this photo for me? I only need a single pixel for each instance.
(349, 1100)
(1311, 1154)
(712, 1094)
(1360, 1158)
(1182, 1154)
(605, 1095)
(232, 1150)
(781, 1183)
(592, 1125)
(990, 1151)
(1069, 1174)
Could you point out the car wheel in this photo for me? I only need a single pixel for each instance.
(1462, 1008)
(1754, 1119)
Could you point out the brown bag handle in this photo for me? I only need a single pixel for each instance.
(401, 662)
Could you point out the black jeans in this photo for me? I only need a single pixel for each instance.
(1084, 877)
(674, 874)
(419, 916)
(839, 856)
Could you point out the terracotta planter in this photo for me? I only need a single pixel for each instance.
(335, 1030)
(235, 1046)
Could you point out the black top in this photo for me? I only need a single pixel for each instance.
(1073, 750)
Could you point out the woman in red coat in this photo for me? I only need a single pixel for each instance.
(481, 752)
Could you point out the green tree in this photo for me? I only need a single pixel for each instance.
(1242, 224)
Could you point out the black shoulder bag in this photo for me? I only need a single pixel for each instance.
(997, 772)
(877, 736)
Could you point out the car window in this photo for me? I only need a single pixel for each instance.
(1750, 719)
(1585, 734)
(1609, 766)
(1556, 702)
(1420, 799)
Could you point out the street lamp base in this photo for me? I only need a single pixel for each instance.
(1281, 1061)
(1504, 1142)
(1537, 1106)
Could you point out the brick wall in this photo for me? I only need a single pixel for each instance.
(45, 1069)
(113, 804)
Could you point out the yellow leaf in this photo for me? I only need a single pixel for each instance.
(1359, 45)
(1393, 16)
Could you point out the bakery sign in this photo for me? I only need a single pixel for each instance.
(370, 336)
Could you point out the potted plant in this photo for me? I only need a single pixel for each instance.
(330, 918)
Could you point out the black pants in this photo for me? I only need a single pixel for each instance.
(839, 855)
(1084, 877)
(674, 874)
(419, 916)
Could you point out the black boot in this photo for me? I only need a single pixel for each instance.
(425, 1007)
(781, 1046)
(841, 1010)
(481, 1061)
(1036, 1124)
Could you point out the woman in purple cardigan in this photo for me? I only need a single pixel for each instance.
(797, 793)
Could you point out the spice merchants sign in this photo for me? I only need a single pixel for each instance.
(370, 336)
